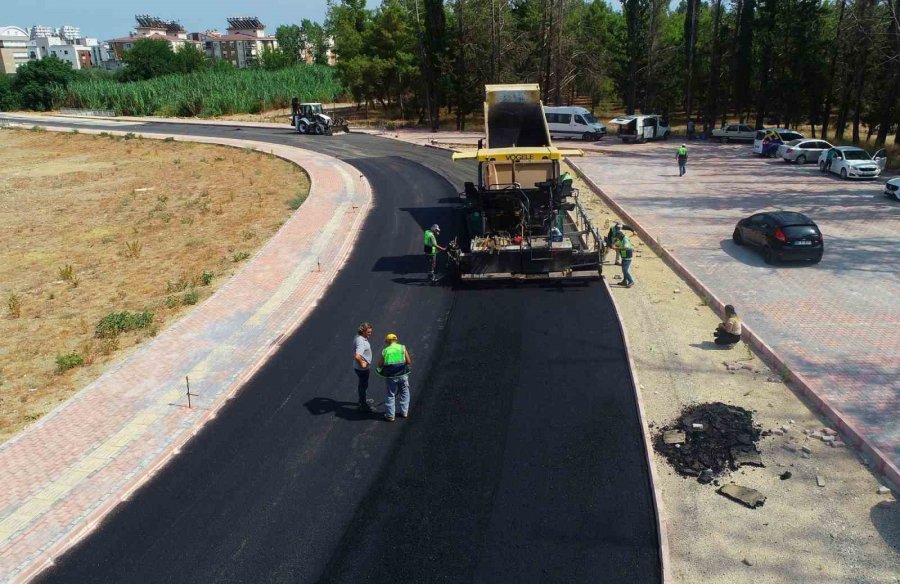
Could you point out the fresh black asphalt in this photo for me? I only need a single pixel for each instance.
(522, 461)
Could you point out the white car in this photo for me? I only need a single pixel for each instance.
(852, 162)
(768, 140)
(640, 128)
(892, 189)
(732, 132)
(802, 151)
(573, 123)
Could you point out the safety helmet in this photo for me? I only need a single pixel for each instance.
(436, 227)
(390, 337)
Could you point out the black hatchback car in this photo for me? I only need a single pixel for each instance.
(781, 235)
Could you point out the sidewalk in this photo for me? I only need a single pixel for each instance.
(830, 327)
(63, 474)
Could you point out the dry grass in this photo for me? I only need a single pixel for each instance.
(92, 225)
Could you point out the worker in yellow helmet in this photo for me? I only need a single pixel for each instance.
(393, 365)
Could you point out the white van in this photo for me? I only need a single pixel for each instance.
(639, 128)
(573, 123)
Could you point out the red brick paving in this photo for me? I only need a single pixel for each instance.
(834, 324)
(74, 465)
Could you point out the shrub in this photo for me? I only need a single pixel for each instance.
(190, 298)
(295, 203)
(114, 323)
(133, 249)
(171, 302)
(66, 273)
(68, 361)
(240, 256)
(206, 278)
(14, 304)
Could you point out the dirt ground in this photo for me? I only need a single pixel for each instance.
(93, 225)
(841, 532)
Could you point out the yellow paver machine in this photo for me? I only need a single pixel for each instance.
(522, 219)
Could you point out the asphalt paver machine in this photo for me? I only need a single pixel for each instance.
(522, 221)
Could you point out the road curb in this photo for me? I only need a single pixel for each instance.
(662, 524)
(796, 381)
(86, 524)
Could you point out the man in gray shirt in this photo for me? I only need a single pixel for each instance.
(362, 359)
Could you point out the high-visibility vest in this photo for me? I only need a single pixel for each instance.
(394, 361)
(682, 152)
(430, 242)
(629, 249)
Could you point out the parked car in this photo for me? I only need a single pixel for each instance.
(574, 123)
(803, 151)
(767, 141)
(640, 128)
(892, 188)
(852, 162)
(734, 132)
(781, 235)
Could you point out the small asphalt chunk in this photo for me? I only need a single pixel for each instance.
(806, 449)
(743, 495)
(746, 562)
(785, 475)
(882, 490)
(804, 455)
(790, 447)
(746, 459)
(820, 480)
(838, 444)
(673, 437)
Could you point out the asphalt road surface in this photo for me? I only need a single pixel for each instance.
(521, 462)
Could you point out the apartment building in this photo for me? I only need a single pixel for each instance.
(242, 44)
(13, 48)
(152, 27)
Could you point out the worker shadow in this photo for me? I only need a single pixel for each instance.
(403, 264)
(711, 346)
(341, 409)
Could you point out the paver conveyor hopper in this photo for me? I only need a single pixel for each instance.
(521, 220)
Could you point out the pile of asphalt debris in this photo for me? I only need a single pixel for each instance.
(709, 440)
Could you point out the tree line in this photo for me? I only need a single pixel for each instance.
(832, 64)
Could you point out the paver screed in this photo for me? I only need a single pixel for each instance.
(833, 323)
(61, 475)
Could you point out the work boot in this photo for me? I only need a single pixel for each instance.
(388, 418)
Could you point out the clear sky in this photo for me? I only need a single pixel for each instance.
(107, 19)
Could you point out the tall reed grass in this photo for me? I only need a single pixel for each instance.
(208, 93)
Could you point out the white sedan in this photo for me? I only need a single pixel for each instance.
(852, 162)
(892, 189)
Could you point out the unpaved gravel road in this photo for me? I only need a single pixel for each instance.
(842, 532)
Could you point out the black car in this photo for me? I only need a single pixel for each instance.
(781, 235)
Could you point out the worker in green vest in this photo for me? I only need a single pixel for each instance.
(626, 251)
(681, 156)
(393, 365)
(431, 249)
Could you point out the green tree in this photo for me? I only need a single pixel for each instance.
(148, 58)
(315, 40)
(9, 99)
(290, 40)
(41, 85)
(189, 59)
(271, 59)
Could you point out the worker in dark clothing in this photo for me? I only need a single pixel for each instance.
(431, 249)
(681, 156)
(362, 360)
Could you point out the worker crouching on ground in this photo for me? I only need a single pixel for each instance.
(394, 367)
(728, 333)
(431, 249)
(623, 247)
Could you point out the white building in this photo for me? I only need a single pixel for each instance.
(13, 48)
(40, 30)
(80, 56)
(69, 33)
(152, 27)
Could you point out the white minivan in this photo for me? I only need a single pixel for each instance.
(573, 123)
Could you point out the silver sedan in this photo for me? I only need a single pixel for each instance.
(803, 151)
